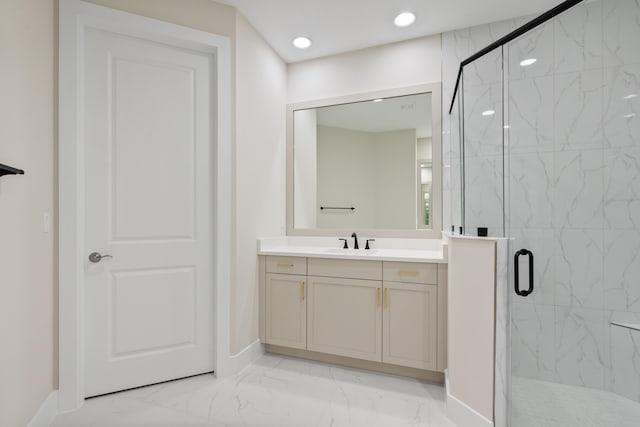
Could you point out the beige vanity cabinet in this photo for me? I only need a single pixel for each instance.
(410, 315)
(344, 314)
(382, 315)
(285, 302)
(344, 317)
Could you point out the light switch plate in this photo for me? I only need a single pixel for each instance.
(46, 222)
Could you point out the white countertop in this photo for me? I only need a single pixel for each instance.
(383, 249)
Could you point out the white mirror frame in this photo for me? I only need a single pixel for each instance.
(435, 232)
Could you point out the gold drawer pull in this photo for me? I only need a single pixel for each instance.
(378, 298)
(386, 298)
(302, 290)
(408, 273)
(282, 264)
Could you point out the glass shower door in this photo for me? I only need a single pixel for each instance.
(531, 183)
(573, 164)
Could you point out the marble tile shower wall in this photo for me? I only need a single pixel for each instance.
(573, 180)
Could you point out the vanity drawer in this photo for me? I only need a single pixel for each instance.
(354, 269)
(410, 272)
(287, 265)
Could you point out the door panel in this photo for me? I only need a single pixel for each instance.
(168, 320)
(158, 203)
(148, 198)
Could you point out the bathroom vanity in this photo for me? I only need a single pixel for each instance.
(379, 309)
(368, 163)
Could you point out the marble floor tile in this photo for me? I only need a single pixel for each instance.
(541, 403)
(273, 392)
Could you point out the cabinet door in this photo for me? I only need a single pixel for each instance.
(345, 317)
(286, 310)
(410, 325)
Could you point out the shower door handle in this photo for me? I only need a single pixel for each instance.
(523, 293)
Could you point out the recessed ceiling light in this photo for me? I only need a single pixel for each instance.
(404, 19)
(377, 100)
(631, 96)
(628, 116)
(506, 127)
(302, 42)
(488, 113)
(527, 62)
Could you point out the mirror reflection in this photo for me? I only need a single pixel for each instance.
(364, 165)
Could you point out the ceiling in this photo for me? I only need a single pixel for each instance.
(337, 26)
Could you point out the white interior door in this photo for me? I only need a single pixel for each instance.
(147, 140)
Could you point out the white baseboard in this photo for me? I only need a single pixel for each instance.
(461, 414)
(46, 412)
(250, 354)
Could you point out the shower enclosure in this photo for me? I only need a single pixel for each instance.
(543, 148)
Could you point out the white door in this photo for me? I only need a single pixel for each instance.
(148, 197)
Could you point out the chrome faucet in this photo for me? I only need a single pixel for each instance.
(355, 240)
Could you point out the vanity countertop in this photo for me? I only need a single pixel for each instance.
(406, 250)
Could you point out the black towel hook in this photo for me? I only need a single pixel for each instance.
(9, 170)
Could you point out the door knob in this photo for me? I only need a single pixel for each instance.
(97, 256)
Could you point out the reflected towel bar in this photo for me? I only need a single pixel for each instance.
(332, 207)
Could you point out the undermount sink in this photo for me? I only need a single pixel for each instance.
(351, 252)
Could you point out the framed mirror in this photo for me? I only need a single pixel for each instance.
(369, 163)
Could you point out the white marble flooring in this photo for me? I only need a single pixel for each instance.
(546, 404)
(273, 392)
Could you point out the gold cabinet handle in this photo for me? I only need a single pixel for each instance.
(302, 290)
(281, 264)
(408, 273)
(386, 299)
(378, 297)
